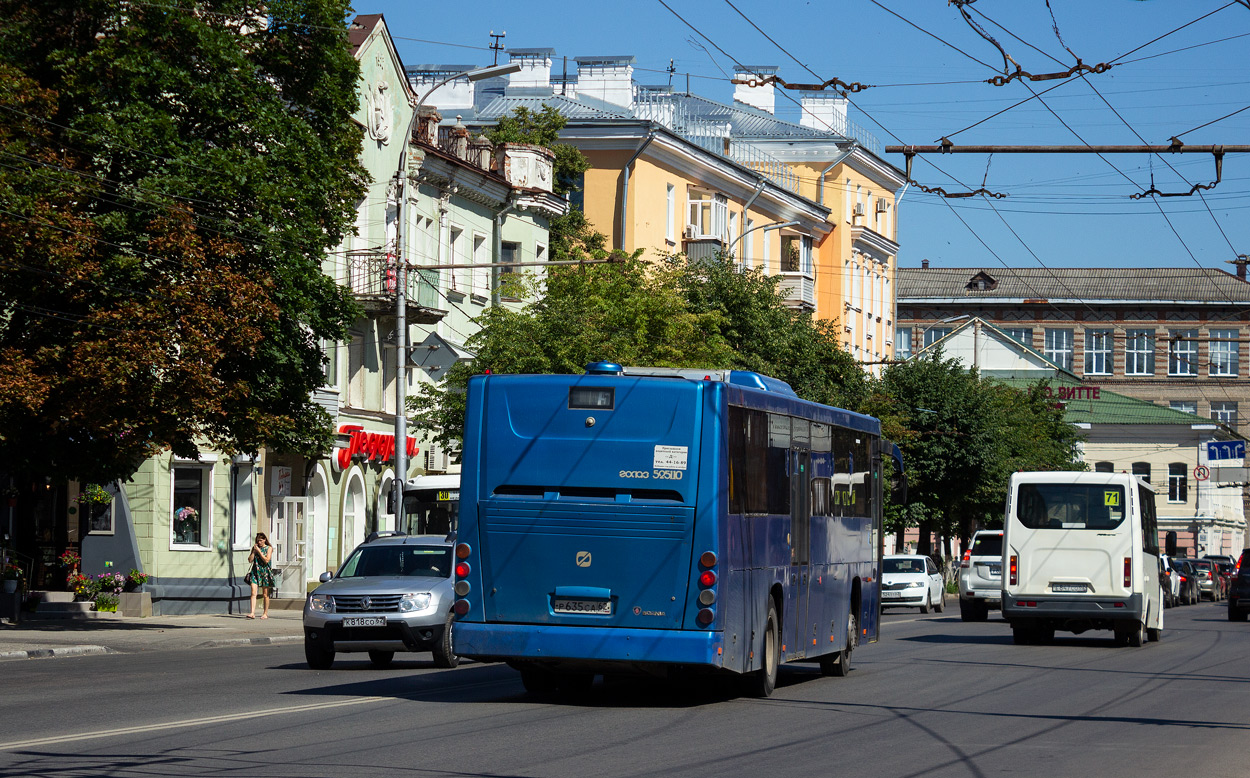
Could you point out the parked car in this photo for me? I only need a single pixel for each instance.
(392, 593)
(1226, 573)
(1239, 592)
(1188, 581)
(1210, 582)
(911, 580)
(981, 576)
(1171, 579)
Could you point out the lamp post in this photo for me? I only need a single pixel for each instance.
(764, 227)
(401, 283)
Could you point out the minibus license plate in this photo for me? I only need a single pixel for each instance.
(592, 607)
(1069, 587)
(364, 621)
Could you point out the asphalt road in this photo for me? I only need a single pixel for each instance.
(936, 697)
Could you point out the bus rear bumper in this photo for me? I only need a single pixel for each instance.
(1060, 609)
(595, 644)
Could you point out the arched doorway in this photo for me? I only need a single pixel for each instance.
(355, 514)
(319, 523)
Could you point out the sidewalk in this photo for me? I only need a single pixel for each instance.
(36, 639)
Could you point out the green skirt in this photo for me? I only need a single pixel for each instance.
(261, 575)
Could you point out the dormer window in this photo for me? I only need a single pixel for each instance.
(981, 282)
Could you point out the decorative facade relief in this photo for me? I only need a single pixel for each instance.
(526, 166)
(379, 108)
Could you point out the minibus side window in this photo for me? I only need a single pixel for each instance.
(1149, 522)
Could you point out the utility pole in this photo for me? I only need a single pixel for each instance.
(496, 45)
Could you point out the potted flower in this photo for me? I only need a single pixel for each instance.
(69, 558)
(94, 494)
(12, 576)
(184, 529)
(135, 579)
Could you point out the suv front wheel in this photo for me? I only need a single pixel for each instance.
(318, 658)
(443, 654)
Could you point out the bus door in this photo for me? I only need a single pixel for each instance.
(798, 628)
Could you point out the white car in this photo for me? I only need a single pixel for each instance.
(911, 580)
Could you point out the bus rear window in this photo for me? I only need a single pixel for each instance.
(1070, 506)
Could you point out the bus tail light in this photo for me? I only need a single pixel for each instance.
(707, 578)
(461, 607)
(463, 551)
(1013, 570)
(707, 596)
(1128, 572)
(462, 569)
(705, 617)
(708, 559)
(967, 560)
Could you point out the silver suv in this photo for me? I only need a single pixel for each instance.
(393, 593)
(981, 576)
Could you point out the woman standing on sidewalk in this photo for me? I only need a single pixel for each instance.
(261, 574)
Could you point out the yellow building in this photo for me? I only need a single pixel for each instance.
(675, 172)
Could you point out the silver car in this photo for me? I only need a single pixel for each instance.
(393, 593)
(981, 576)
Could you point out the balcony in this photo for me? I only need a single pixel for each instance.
(371, 278)
(700, 248)
(798, 290)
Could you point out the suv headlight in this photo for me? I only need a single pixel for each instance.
(414, 602)
(915, 584)
(321, 603)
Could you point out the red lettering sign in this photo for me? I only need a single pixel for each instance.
(372, 446)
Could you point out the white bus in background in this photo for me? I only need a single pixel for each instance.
(432, 504)
(1081, 552)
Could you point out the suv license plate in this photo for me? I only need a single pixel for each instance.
(1071, 588)
(364, 621)
(591, 607)
(996, 570)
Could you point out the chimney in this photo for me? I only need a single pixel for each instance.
(924, 264)
(761, 96)
(609, 78)
(453, 96)
(535, 70)
(1240, 262)
(824, 111)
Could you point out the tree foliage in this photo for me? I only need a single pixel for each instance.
(542, 128)
(962, 436)
(173, 176)
(674, 314)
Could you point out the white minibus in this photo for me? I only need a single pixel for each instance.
(1081, 552)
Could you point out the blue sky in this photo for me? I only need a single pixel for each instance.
(1060, 210)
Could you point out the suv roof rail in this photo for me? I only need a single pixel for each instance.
(384, 533)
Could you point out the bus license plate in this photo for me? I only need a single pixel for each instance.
(891, 595)
(1071, 588)
(364, 621)
(592, 607)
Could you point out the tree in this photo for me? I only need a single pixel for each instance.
(542, 128)
(174, 175)
(962, 436)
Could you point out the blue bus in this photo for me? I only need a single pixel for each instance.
(644, 519)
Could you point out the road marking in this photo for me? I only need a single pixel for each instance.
(45, 741)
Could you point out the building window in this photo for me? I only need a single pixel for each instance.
(1142, 470)
(1059, 347)
(190, 524)
(934, 334)
(509, 285)
(748, 241)
(1022, 335)
(330, 370)
(709, 216)
(459, 278)
(670, 214)
(1098, 352)
(1225, 352)
(1184, 406)
(1139, 352)
(244, 504)
(902, 343)
(481, 270)
(1178, 482)
(1104, 467)
(1183, 353)
(1224, 412)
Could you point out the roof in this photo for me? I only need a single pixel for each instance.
(1095, 405)
(360, 29)
(1083, 284)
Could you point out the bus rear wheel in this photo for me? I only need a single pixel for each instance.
(839, 664)
(762, 682)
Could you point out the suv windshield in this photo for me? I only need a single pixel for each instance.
(1070, 506)
(987, 545)
(398, 560)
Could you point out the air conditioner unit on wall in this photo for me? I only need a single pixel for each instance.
(880, 205)
(691, 231)
(859, 209)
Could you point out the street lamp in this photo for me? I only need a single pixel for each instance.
(401, 283)
(764, 227)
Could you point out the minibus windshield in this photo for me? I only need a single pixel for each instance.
(1070, 506)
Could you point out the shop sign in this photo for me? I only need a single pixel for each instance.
(371, 446)
(1075, 392)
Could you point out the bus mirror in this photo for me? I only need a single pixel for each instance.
(898, 488)
(1169, 543)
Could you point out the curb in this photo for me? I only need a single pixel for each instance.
(273, 641)
(46, 653)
